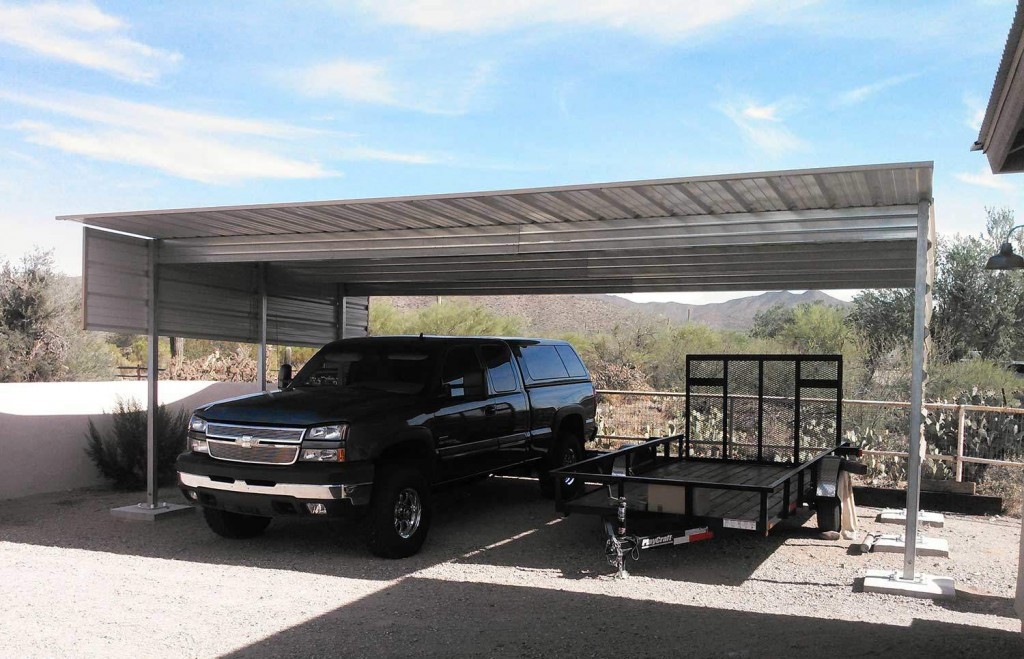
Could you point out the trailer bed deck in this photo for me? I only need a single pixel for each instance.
(721, 503)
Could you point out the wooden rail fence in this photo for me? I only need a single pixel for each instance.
(961, 410)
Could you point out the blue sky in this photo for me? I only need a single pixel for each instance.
(125, 105)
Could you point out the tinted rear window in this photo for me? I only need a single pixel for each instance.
(572, 361)
(543, 363)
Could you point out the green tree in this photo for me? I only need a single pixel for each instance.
(817, 328)
(884, 318)
(448, 317)
(770, 322)
(974, 309)
(40, 333)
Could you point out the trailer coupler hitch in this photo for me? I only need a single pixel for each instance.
(619, 544)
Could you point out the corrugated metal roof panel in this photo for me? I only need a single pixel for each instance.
(877, 185)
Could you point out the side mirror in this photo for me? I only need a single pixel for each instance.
(284, 376)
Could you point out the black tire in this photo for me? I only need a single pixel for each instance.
(235, 525)
(567, 450)
(830, 512)
(400, 512)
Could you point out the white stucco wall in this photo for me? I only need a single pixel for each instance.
(43, 427)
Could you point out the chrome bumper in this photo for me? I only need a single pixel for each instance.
(297, 490)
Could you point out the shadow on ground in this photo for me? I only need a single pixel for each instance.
(501, 521)
(430, 617)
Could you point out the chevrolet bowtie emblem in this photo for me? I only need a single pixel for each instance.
(248, 442)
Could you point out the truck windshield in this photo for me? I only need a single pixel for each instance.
(393, 370)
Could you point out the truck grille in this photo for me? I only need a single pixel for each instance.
(268, 454)
(230, 431)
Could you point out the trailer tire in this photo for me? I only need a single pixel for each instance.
(566, 450)
(830, 514)
(234, 525)
(400, 512)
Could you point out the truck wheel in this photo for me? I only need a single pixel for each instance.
(234, 525)
(830, 513)
(567, 450)
(400, 512)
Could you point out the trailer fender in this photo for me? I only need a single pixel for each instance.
(828, 477)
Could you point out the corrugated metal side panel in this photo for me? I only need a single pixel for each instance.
(301, 321)
(216, 301)
(114, 269)
(357, 316)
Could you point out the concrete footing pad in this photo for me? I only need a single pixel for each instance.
(143, 512)
(895, 544)
(924, 518)
(890, 582)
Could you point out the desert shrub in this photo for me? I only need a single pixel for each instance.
(120, 455)
(236, 366)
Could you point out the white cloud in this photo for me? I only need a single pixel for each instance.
(763, 126)
(664, 19)
(986, 179)
(81, 33)
(369, 153)
(378, 83)
(761, 112)
(199, 146)
(975, 113)
(358, 81)
(192, 156)
(143, 116)
(860, 94)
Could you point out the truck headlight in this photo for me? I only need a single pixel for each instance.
(326, 433)
(196, 424)
(199, 445)
(323, 455)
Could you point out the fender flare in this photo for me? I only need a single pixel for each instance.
(560, 416)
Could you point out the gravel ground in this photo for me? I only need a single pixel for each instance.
(501, 574)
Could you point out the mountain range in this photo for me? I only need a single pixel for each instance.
(559, 314)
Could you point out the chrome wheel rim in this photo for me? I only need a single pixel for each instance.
(408, 513)
(568, 458)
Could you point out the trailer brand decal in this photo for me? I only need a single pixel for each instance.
(657, 541)
(745, 524)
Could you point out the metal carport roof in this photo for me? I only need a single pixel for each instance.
(846, 227)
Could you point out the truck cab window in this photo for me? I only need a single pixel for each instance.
(498, 361)
(543, 362)
(462, 373)
(572, 361)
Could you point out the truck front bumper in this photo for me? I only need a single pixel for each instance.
(297, 490)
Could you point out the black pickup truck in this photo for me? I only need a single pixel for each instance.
(373, 425)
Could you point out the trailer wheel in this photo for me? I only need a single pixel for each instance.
(400, 513)
(567, 450)
(234, 525)
(830, 514)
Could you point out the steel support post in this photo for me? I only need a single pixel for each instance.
(152, 508)
(341, 307)
(922, 313)
(261, 366)
(152, 376)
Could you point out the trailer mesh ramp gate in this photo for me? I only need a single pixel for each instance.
(758, 430)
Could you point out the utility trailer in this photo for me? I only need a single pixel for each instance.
(763, 437)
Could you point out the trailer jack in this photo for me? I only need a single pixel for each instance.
(621, 544)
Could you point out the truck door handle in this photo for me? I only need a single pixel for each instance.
(491, 410)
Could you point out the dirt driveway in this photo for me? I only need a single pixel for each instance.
(501, 575)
